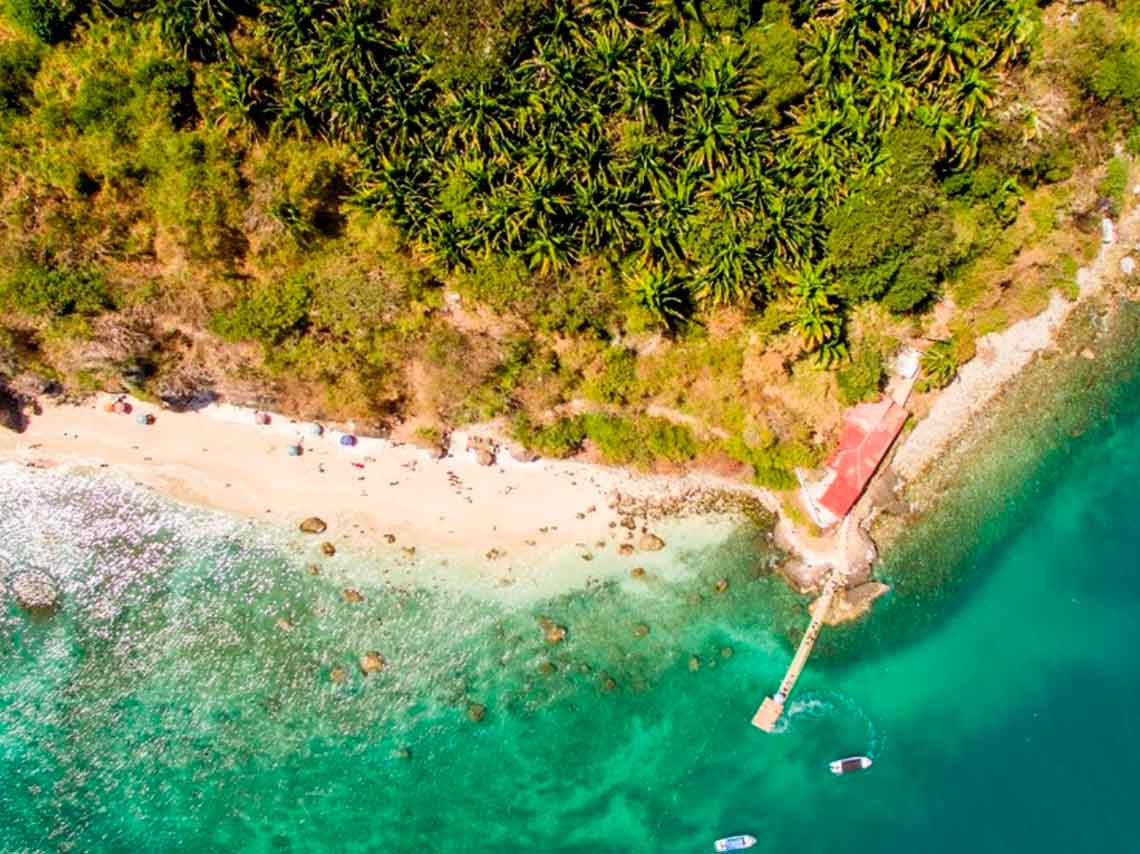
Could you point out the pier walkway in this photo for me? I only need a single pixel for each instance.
(772, 707)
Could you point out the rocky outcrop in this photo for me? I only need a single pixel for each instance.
(314, 525)
(484, 449)
(11, 410)
(850, 605)
(35, 591)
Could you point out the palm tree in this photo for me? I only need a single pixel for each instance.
(662, 294)
(939, 365)
(815, 317)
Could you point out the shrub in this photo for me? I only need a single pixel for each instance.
(47, 20)
(861, 378)
(617, 439)
(1115, 183)
(614, 378)
(562, 438)
(269, 315)
(667, 440)
(19, 62)
(39, 290)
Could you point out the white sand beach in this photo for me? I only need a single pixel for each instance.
(378, 494)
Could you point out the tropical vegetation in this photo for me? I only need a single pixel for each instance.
(347, 183)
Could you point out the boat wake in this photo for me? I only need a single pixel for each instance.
(831, 706)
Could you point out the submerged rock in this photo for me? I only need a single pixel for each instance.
(372, 662)
(312, 569)
(721, 585)
(625, 549)
(694, 663)
(637, 572)
(338, 675)
(651, 543)
(476, 712)
(402, 752)
(328, 549)
(36, 591)
(640, 630)
(553, 632)
(314, 525)
(353, 596)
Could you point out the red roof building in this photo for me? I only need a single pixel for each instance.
(868, 433)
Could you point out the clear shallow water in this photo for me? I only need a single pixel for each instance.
(997, 689)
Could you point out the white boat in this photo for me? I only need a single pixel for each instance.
(851, 763)
(735, 843)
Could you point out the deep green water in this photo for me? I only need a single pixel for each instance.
(997, 688)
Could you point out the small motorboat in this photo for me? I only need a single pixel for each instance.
(735, 843)
(851, 763)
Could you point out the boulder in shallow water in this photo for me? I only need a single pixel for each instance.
(328, 549)
(721, 585)
(625, 549)
(694, 663)
(338, 675)
(476, 712)
(651, 543)
(314, 525)
(637, 572)
(553, 632)
(354, 597)
(372, 662)
(35, 591)
(640, 630)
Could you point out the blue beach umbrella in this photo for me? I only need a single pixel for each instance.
(293, 450)
(348, 440)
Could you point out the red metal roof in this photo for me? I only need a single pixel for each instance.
(868, 432)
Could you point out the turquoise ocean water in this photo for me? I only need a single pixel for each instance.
(997, 688)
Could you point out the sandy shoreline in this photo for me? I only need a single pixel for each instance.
(504, 518)
(507, 518)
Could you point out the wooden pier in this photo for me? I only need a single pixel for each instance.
(772, 707)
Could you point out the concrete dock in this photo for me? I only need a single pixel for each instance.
(772, 708)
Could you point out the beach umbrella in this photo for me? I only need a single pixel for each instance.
(293, 450)
(121, 407)
(348, 440)
(144, 418)
(314, 429)
(261, 417)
